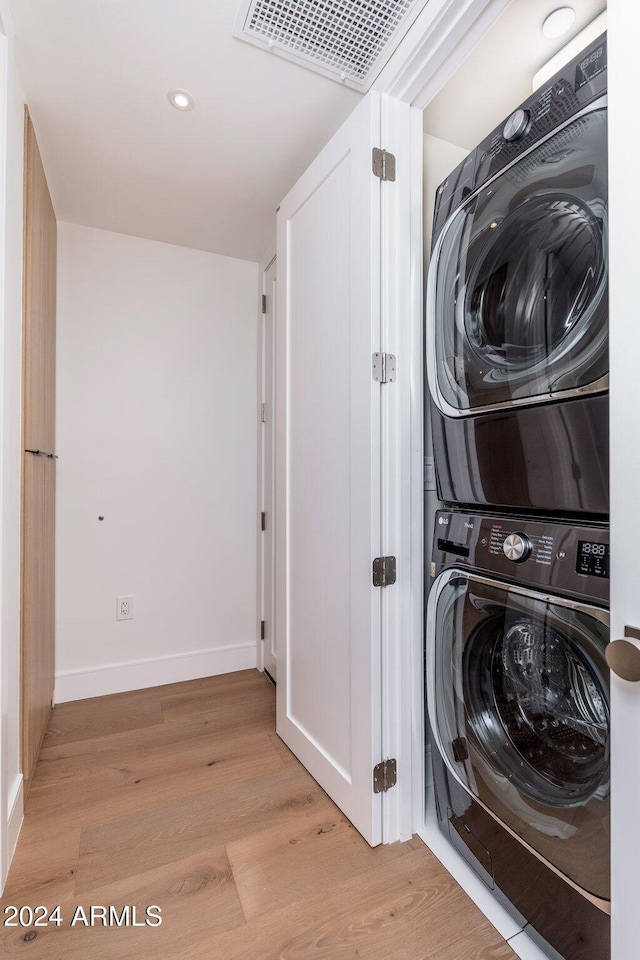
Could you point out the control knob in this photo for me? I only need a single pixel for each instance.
(516, 125)
(517, 547)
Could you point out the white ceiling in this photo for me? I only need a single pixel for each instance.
(498, 74)
(118, 156)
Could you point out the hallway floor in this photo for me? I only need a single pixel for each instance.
(183, 796)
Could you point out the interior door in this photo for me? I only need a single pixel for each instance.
(269, 658)
(328, 507)
(38, 474)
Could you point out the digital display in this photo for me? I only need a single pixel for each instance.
(593, 559)
(592, 65)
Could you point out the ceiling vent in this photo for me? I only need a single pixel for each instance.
(347, 40)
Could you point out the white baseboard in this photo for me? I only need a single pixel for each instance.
(15, 806)
(138, 674)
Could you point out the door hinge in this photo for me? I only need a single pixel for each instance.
(263, 413)
(383, 366)
(384, 571)
(263, 629)
(383, 164)
(263, 521)
(385, 776)
(264, 303)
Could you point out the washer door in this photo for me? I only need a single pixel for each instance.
(517, 298)
(519, 707)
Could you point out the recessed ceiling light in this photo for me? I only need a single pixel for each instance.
(180, 99)
(558, 22)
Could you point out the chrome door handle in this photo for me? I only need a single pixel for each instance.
(623, 656)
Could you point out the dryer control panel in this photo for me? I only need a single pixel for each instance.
(571, 559)
(576, 85)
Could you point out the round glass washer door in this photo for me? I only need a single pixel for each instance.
(531, 286)
(537, 704)
(517, 299)
(518, 699)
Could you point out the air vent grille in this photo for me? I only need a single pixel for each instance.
(349, 40)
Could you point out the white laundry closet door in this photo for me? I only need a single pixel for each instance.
(328, 613)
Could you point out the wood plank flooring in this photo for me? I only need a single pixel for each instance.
(183, 796)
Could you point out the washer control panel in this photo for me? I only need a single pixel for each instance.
(516, 126)
(592, 559)
(517, 547)
(570, 558)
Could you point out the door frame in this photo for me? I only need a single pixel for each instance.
(266, 261)
(437, 44)
(623, 24)
(4, 644)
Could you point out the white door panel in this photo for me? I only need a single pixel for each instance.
(328, 470)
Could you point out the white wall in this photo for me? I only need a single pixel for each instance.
(156, 431)
(10, 450)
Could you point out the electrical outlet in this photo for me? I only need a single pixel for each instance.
(124, 610)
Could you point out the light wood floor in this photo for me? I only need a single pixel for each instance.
(183, 796)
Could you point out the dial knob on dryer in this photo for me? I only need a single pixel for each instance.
(516, 547)
(516, 125)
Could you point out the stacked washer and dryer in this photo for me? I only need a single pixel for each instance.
(517, 614)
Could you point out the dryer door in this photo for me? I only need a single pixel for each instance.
(519, 706)
(517, 295)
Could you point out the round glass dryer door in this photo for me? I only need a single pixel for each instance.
(519, 706)
(517, 297)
